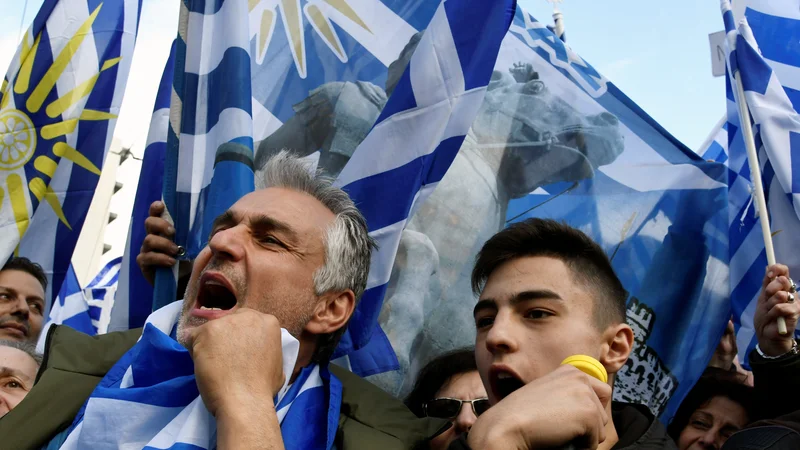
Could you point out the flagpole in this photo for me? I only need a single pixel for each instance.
(755, 173)
(558, 19)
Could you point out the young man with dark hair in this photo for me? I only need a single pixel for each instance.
(548, 292)
(23, 284)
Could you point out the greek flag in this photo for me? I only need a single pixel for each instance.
(415, 140)
(151, 397)
(84, 309)
(716, 148)
(208, 164)
(571, 146)
(765, 53)
(58, 107)
(209, 158)
(134, 299)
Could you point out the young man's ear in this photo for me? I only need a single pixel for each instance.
(617, 346)
(332, 312)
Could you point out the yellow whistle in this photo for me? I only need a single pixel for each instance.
(588, 365)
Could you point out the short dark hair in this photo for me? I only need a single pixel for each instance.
(23, 264)
(435, 374)
(709, 386)
(546, 237)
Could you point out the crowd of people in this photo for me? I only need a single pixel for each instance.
(289, 263)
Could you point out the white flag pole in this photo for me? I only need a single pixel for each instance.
(755, 171)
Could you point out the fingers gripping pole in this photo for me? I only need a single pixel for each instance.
(758, 186)
(165, 286)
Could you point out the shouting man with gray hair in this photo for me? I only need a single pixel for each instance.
(242, 362)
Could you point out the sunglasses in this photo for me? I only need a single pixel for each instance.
(448, 408)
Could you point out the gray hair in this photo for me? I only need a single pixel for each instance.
(26, 347)
(348, 246)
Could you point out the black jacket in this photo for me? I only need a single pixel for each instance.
(775, 382)
(636, 426)
(638, 429)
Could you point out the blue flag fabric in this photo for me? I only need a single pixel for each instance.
(151, 396)
(134, 298)
(391, 173)
(584, 153)
(552, 138)
(88, 309)
(58, 107)
(769, 78)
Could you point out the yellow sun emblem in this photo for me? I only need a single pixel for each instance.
(33, 125)
(318, 15)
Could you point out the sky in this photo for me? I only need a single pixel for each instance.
(655, 52)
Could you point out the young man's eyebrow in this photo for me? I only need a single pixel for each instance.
(484, 305)
(535, 294)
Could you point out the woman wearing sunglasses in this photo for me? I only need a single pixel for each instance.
(449, 387)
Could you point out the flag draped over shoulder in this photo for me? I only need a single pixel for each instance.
(58, 107)
(764, 51)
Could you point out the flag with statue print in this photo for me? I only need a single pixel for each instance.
(561, 141)
(59, 102)
(320, 100)
(548, 121)
(763, 50)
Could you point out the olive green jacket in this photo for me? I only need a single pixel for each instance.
(74, 364)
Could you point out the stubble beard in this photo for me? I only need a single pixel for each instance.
(292, 314)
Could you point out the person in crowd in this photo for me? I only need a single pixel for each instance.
(776, 368)
(721, 403)
(22, 288)
(547, 292)
(449, 387)
(19, 363)
(292, 257)
(717, 406)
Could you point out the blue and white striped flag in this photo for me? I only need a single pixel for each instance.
(414, 141)
(209, 158)
(84, 309)
(716, 147)
(58, 107)
(100, 294)
(769, 78)
(151, 397)
(134, 299)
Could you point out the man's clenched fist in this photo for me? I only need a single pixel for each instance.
(238, 360)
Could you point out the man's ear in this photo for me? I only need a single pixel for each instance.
(617, 345)
(332, 312)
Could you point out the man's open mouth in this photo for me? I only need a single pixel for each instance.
(215, 294)
(504, 382)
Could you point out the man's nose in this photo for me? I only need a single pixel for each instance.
(20, 307)
(5, 406)
(465, 419)
(500, 338)
(229, 243)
